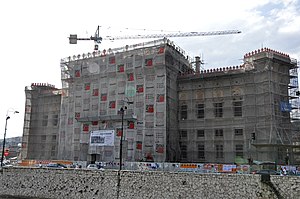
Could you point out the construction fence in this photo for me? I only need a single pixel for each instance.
(173, 167)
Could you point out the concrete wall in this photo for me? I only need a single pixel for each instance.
(72, 183)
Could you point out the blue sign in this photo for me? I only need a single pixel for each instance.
(285, 107)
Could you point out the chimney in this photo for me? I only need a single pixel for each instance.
(198, 63)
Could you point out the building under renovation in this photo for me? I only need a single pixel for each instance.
(239, 112)
(41, 122)
(165, 108)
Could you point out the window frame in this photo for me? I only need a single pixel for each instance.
(184, 111)
(183, 150)
(201, 151)
(219, 132)
(239, 150)
(238, 132)
(237, 108)
(200, 133)
(200, 111)
(218, 109)
(219, 151)
(183, 134)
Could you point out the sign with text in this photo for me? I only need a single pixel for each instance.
(102, 138)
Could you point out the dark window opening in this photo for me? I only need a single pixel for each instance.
(219, 132)
(238, 132)
(218, 109)
(184, 112)
(219, 151)
(237, 109)
(183, 134)
(200, 133)
(183, 149)
(239, 150)
(200, 111)
(201, 151)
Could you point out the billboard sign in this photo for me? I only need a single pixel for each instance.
(102, 138)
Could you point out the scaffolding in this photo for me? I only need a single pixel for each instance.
(41, 119)
(245, 110)
(94, 87)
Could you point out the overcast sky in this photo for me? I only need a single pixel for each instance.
(34, 35)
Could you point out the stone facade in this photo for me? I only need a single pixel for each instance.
(74, 183)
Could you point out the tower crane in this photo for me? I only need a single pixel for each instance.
(97, 39)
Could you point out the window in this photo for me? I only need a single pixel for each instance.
(238, 132)
(184, 112)
(53, 154)
(45, 120)
(87, 86)
(253, 136)
(130, 77)
(150, 108)
(219, 151)
(239, 150)
(218, 109)
(139, 145)
(200, 111)
(121, 68)
(129, 64)
(77, 73)
(77, 115)
(96, 92)
(103, 97)
(201, 151)
(111, 60)
(140, 88)
(130, 124)
(237, 109)
(160, 98)
(55, 120)
(183, 149)
(85, 127)
(183, 134)
(161, 50)
(200, 133)
(159, 148)
(148, 62)
(94, 123)
(53, 138)
(43, 138)
(112, 104)
(219, 132)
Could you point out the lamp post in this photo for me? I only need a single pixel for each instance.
(122, 110)
(121, 139)
(3, 146)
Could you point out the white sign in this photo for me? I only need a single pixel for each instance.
(102, 138)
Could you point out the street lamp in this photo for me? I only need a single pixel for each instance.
(3, 148)
(121, 139)
(122, 110)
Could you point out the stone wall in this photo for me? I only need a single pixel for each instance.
(80, 183)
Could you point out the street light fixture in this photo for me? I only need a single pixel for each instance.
(3, 148)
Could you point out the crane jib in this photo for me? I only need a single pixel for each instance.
(184, 34)
(73, 38)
